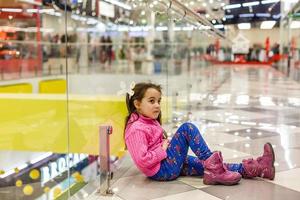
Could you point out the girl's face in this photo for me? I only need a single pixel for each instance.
(149, 106)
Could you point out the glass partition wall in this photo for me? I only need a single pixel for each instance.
(35, 159)
(65, 70)
(289, 34)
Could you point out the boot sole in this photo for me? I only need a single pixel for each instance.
(221, 183)
(273, 158)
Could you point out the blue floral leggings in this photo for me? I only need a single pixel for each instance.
(179, 163)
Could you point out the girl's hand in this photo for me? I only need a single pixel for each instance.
(165, 135)
(165, 144)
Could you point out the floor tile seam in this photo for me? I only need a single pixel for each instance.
(286, 170)
(293, 168)
(116, 194)
(283, 186)
(95, 196)
(255, 138)
(235, 110)
(192, 189)
(246, 126)
(230, 123)
(274, 183)
(184, 183)
(122, 177)
(126, 172)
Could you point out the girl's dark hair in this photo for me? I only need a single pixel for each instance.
(139, 93)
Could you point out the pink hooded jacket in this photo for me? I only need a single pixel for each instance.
(144, 139)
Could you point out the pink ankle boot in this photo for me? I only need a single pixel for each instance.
(215, 172)
(263, 166)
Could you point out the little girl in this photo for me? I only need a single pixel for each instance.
(164, 160)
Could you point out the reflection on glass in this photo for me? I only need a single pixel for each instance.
(242, 100)
(70, 48)
(266, 101)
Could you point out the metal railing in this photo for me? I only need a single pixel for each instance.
(106, 173)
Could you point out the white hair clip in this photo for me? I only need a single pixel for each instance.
(131, 91)
(124, 89)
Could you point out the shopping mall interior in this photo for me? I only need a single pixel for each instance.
(230, 67)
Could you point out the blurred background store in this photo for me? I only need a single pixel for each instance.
(65, 66)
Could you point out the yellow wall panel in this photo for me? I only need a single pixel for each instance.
(40, 122)
(57, 86)
(16, 88)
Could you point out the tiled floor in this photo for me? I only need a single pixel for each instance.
(251, 107)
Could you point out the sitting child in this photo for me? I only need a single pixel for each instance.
(164, 160)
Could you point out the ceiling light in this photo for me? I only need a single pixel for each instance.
(16, 10)
(231, 6)
(244, 26)
(267, 24)
(295, 24)
(201, 27)
(57, 14)
(50, 10)
(242, 99)
(229, 16)
(162, 28)
(266, 101)
(254, 3)
(246, 15)
(187, 28)
(263, 15)
(136, 28)
(32, 10)
(32, 2)
(123, 28)
(219, 26)
(269, 1)
(120, 4)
